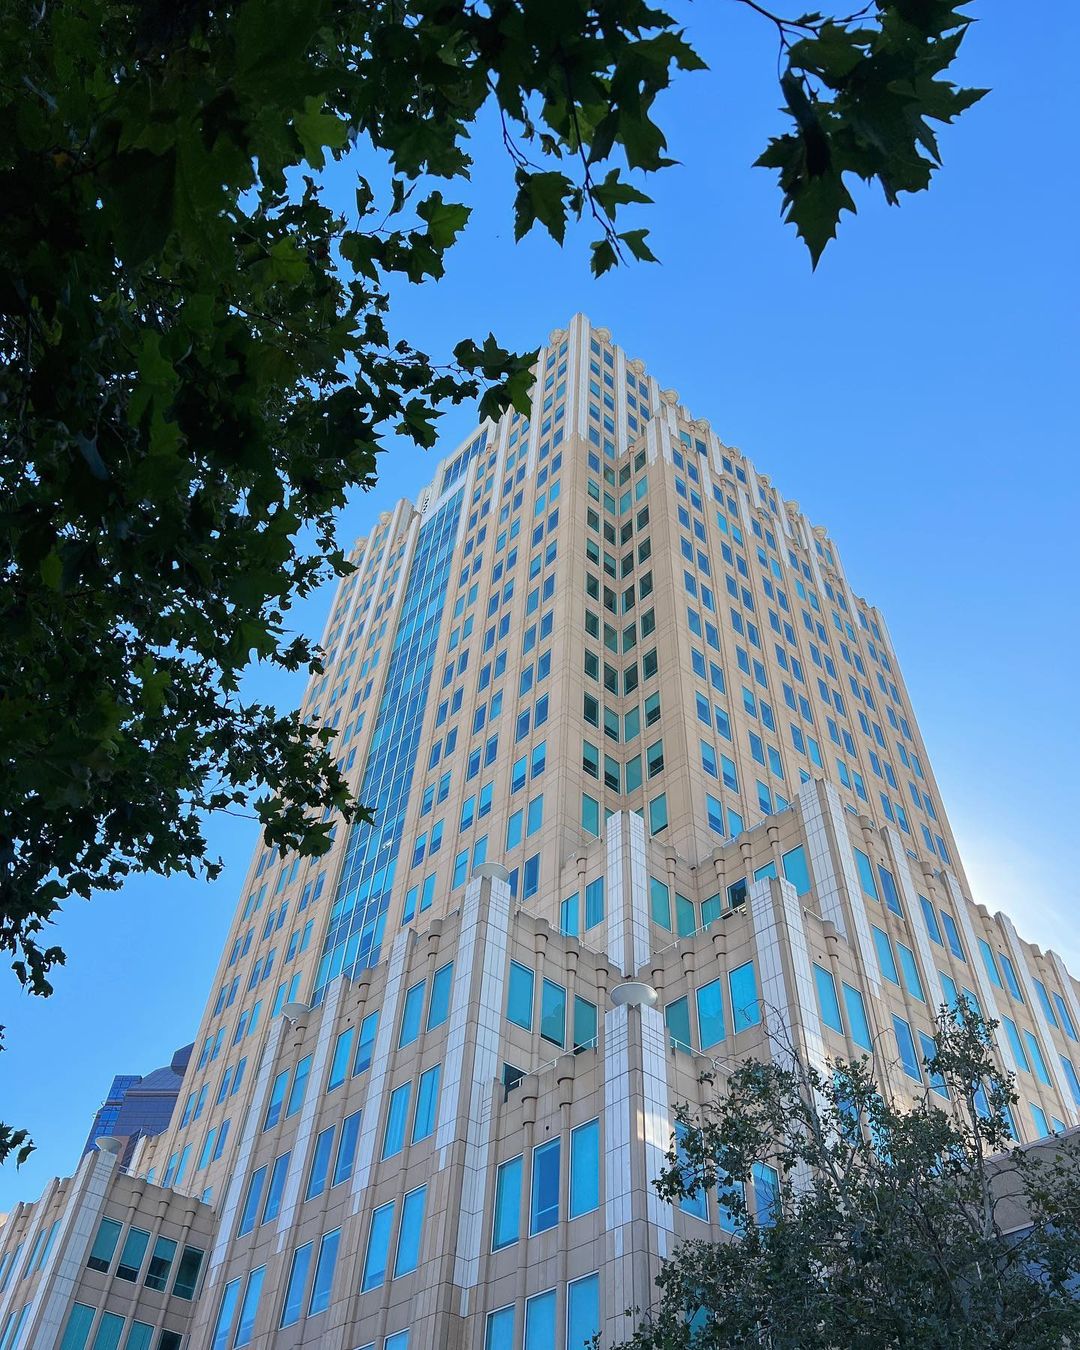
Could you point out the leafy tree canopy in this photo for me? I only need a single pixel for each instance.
(924, 1228)
(198, 363)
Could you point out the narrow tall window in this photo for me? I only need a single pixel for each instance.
(582, 1312)
(299, 1084)
(411, 1014)
(274, 1190)
(339, 1065)
(540, 1321)
(439, 1003)
(251, 1204)
(346, 1154)
(249, 1309)
(745, 1007)
(365, 1046)
(710, 1009)
(427, 1101)
(411, 1232)
(294, 1290)
(506, 1229)
(396, 1116)
(324, 1273)
(828, 1003)
(544, 1213)
(378, 1246)
(519, 1000)
(320, 1163)
(226, 1312)
(585, 1168)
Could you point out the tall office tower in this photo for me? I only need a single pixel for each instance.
(139, 1105)
(649, 797)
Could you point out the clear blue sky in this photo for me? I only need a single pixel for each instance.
(912, 395)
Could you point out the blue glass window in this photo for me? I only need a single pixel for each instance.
(953, 936)
(544, 1212)
(507, 1204)
(889, 891)
(910, 971)
(365, 1046)
(745, 1007)
(251, 1204)
(396, 1115)
(710, 1010)
(378, 1247)
(796, 870)
(320, 1163)
(990, 963)
(856, 1016)
(249, 1309)
(866, 874)
(582, 1312)
(346, 1154)
(339, 1064)
(294, 1291)
(905, 1045)
(886, 959)
(931, 921)
(828, 1003)
(324, 1273)
(519, 999)
(439, 1002)
(584, 1168)
(499, 1334)
(696, 1202)
(412, 1014)
(276, 1187)
(411, 1233)
(427, 1102)
(540, 1331)
(677, 1021)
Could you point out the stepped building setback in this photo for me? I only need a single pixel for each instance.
(649, 796)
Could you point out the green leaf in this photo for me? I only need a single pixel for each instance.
(815, 211)
(445, 220)
(635, 242)
(318, 130)
(52, 569)
(542, 197)
(603, 258)
(613, 193)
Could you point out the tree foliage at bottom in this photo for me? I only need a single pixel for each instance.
(896, 1226)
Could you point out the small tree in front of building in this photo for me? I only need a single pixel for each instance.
(888, 1226)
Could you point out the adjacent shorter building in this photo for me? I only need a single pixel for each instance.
(139, 1107)
(650, 798)
(105, 1253)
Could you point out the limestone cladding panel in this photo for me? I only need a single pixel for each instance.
(983, 987)
(778, 920)
(382, 1059)
(313, 1099)
(1019, 960)
(618, 1200)
(78, 1224)
(617, 899)
(820, 858)
(252, 1124)
(485, 928)
(656, 1119)
(1067, 989)
(860, 922)
(916, 924)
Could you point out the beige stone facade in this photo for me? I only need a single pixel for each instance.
(622, 718)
